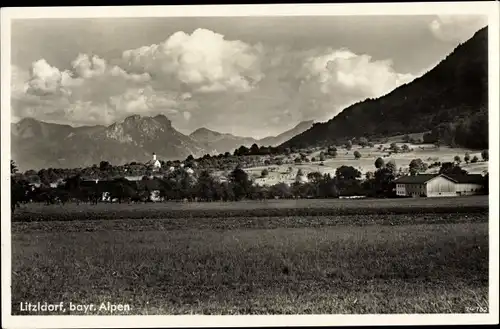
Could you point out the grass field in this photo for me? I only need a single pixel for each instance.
(421, 261)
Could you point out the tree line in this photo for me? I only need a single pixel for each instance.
(179, 184)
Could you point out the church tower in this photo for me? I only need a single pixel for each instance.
(156, 163)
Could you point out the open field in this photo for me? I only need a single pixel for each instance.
(266, 208)
(428, 154)
(372, 269)
(415, 262)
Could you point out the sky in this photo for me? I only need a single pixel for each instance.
(249, 76)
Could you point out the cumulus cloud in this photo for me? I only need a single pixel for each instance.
(145, 101)
(330, 80)
(46, 79)
(91, 92)
(203, 61)
(202, 79)
(343, 72)
(457, 28)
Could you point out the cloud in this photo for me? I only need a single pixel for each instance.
(46, 79)
(187, 115)
(346, 74)
(92, 92)
(203, 61)
(457, 28)
(146, 101)
(202, 79)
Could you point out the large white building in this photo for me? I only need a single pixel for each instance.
(435, 185)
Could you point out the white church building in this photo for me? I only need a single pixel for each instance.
(156, 163)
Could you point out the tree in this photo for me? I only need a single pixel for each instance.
(457, 159)
(379, 163)
(299, 176)
(347, 173)
(242, 150)
(240, 183)
(206, 188)
(450, 168)
(417, 166)
(13, 167)
(363, 141)
(485, 155)
(394, 147)
(383, 182)
(314, 177)
(405, 148)
(474, 159)
(264, 173)
(391, 165)
(348, 145)
(467, 157)
(254, 149)
(357, 155)
(280, 190)
(104, 166)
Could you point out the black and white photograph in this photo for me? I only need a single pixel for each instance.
(224, 161)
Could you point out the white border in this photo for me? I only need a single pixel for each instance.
(491, 9)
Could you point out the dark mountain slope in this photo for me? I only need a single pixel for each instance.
(454, 90)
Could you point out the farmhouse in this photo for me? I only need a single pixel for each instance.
(435, 185)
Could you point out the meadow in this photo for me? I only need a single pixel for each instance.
(427, 153)
(358, 256)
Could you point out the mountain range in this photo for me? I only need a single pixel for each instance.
(454, 91)
(220, 142)
(36, 144)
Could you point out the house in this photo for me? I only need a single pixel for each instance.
(153, 187)
(435, 185)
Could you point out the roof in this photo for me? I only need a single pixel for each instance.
(417, 179)
(468, 179)
(424, 178)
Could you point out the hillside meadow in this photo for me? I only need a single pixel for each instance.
(422, 260)
(428, 153)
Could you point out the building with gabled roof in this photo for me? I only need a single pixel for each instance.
(435, 185)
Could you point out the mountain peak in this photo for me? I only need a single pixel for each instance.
(203, 131)
(138, 119)
(27, 120)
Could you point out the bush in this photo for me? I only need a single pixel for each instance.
(379, 163)
(357, 155)
(485, 155)
(264, 173)
(467, 157)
